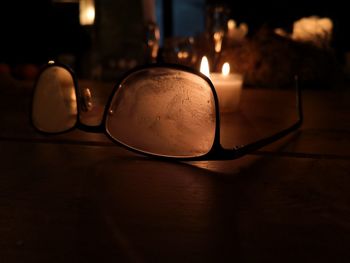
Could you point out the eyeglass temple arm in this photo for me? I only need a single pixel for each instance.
(245, 149)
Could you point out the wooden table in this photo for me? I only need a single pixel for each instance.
(78, 197)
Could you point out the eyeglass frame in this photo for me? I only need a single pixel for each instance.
(216, 152)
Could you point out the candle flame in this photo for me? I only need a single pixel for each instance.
(231, 24)
(225, 69)
(87, 12)
(218, 36)
(205, 66)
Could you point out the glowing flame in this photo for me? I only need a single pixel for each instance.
(218, 36)
(205, 66)
(87, 12)
(182, 54)
(225, 69)
(231, 24)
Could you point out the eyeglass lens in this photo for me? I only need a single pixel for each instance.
(163, 111)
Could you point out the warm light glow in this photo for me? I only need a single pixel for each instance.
(218, 36)
(231, 24)
(243, 27)
(313, 29)
(182, 54)
(225, 69)
(86, 12)
(205, 66)
(281, 32)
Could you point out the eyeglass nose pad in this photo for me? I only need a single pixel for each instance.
(86, 100)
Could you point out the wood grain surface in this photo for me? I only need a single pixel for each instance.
(77, 197)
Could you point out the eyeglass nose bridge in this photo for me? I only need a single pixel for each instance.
(68, 85)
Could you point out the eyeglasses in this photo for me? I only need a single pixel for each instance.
(166, 111)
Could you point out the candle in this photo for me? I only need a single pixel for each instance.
(228, 86)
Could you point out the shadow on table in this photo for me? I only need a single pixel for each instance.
(148, 209)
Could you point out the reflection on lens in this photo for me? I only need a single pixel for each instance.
(165, 112)
(54, 103)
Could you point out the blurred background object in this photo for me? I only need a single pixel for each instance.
(152, 31)
(152, 41)
(279, 40)
(314, 30)
(86, 34)
(101, 39)
(180, 50)
(87, 12)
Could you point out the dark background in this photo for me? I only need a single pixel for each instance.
(34, 31)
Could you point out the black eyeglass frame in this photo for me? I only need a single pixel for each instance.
(217, 152)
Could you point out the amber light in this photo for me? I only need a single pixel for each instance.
(86, 12)
(204, 68)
